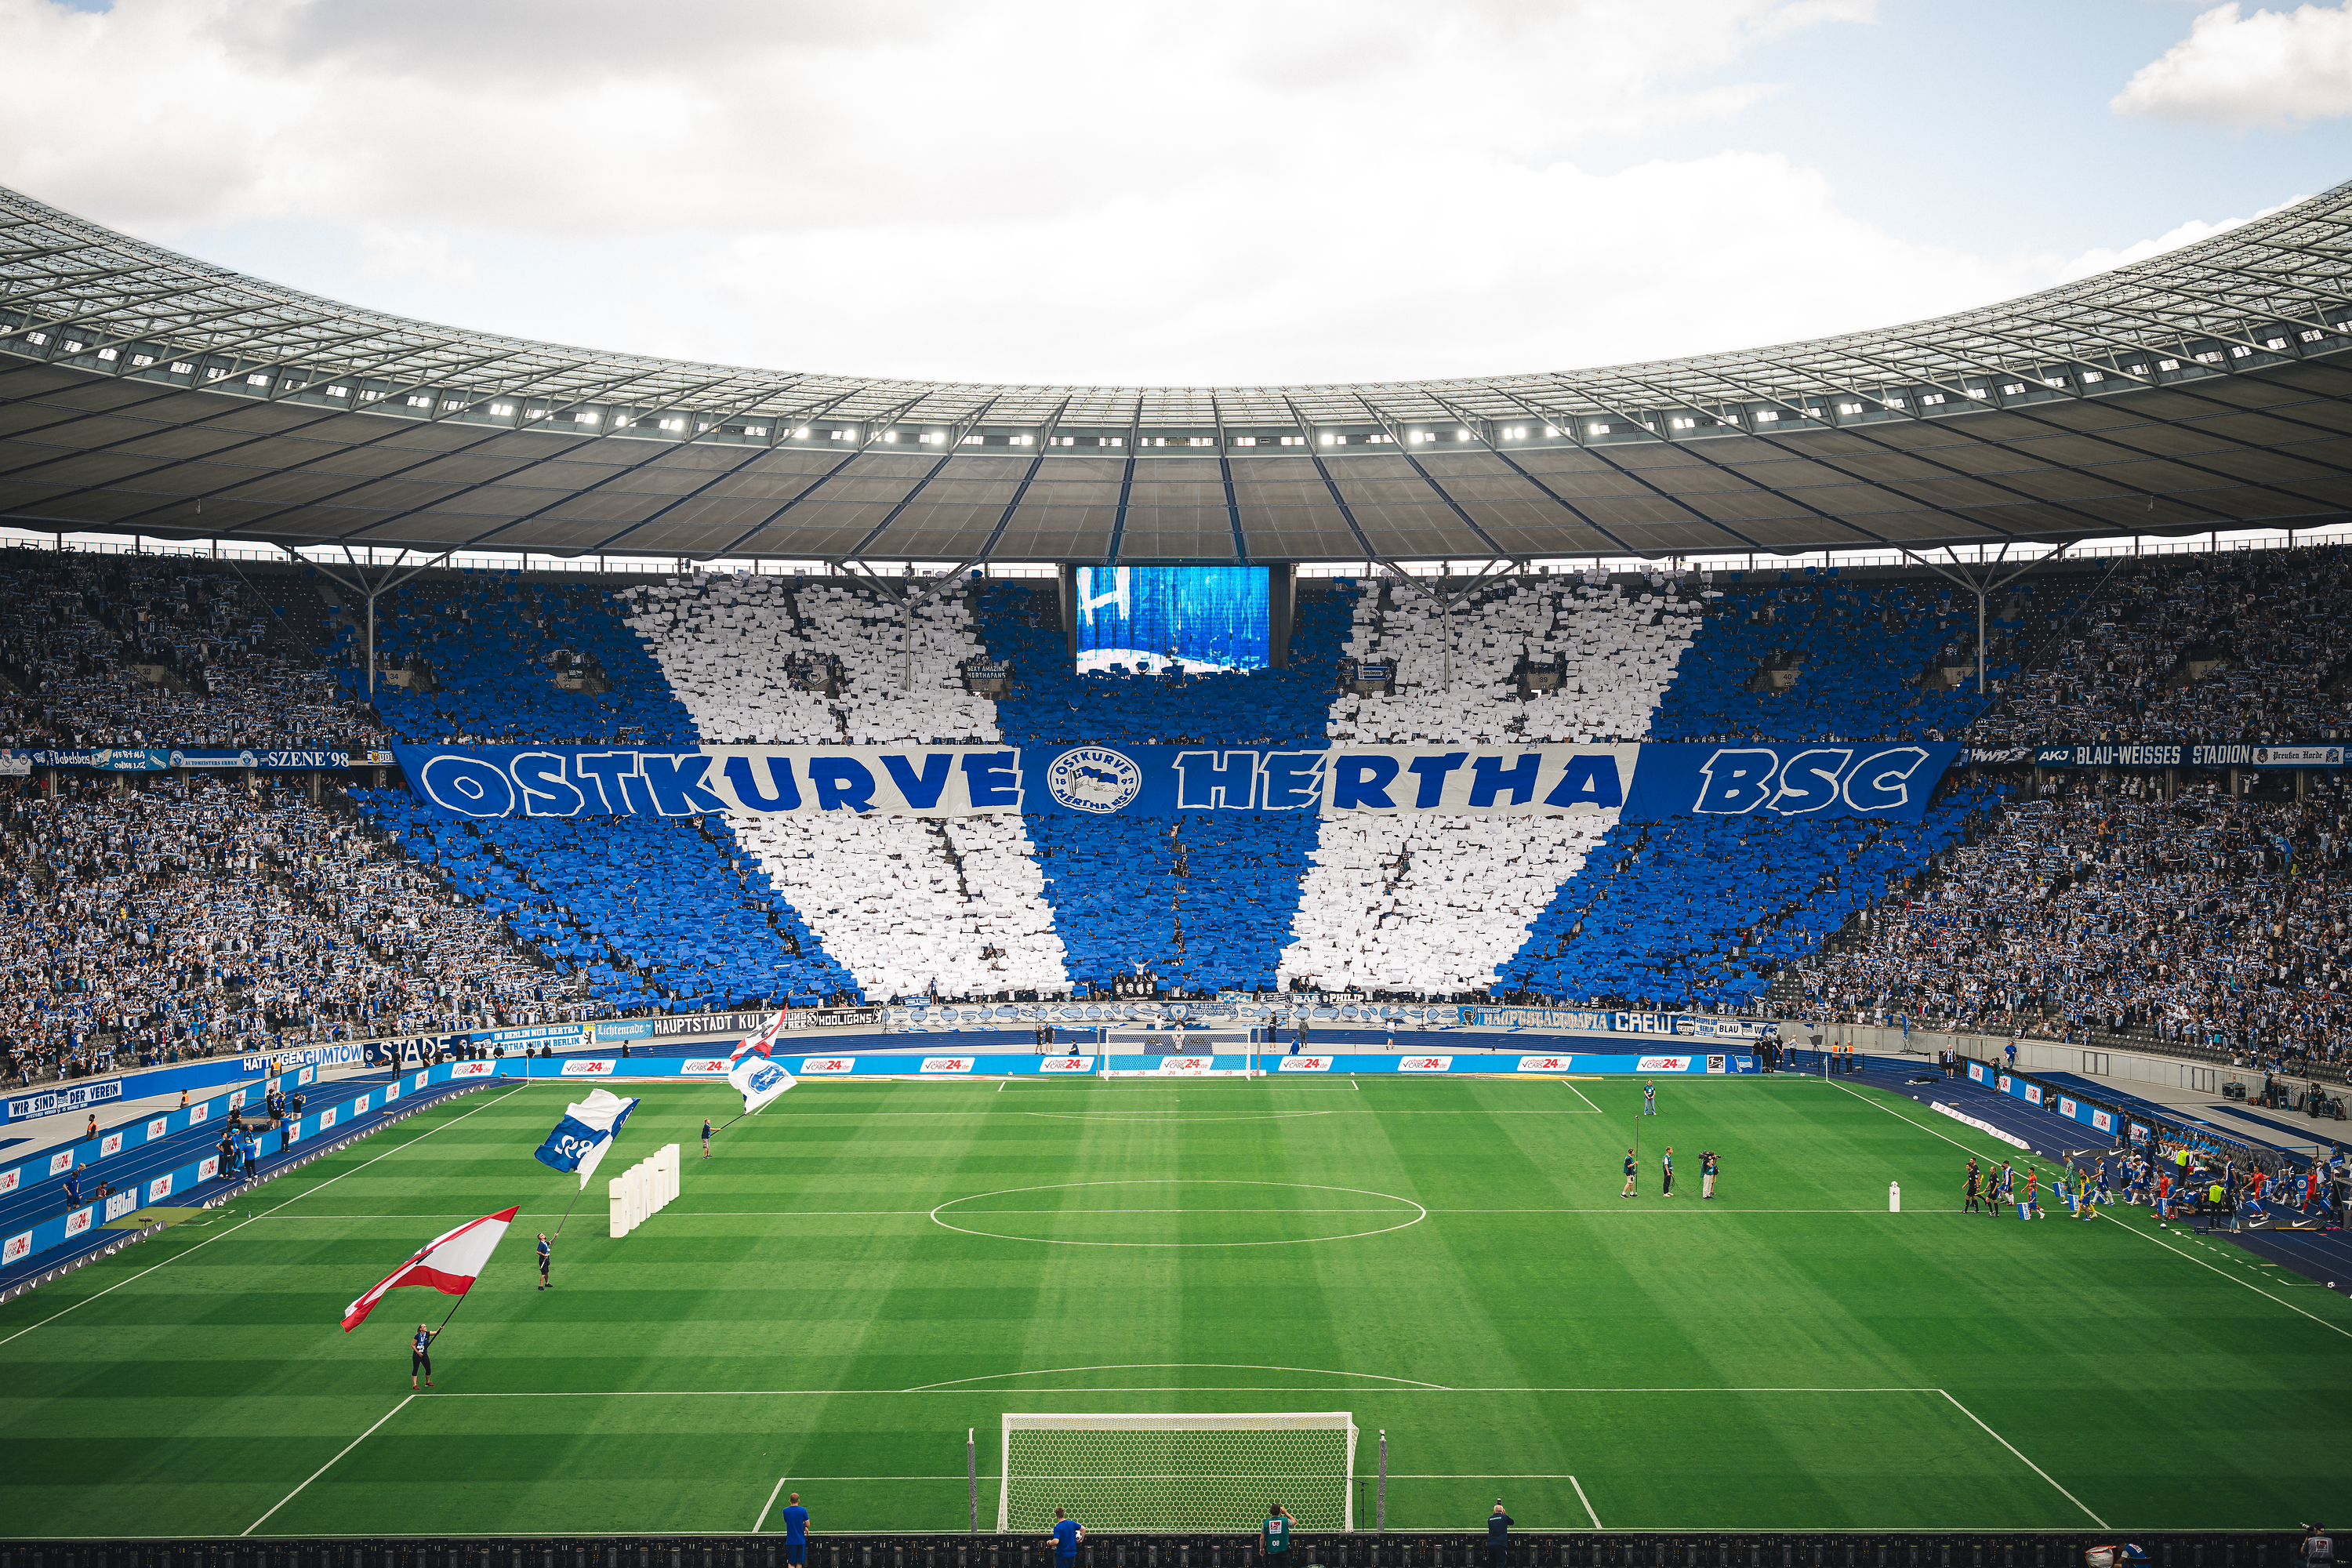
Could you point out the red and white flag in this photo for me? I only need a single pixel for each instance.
(761, 1039)
(449, 1263)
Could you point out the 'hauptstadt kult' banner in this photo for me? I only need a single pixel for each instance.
(1644, 783)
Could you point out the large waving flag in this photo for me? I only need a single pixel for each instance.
(758, 1081)
(761, 1039)
(587, 1130)
(449, 1263)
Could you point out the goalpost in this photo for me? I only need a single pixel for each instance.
(1177, 1472)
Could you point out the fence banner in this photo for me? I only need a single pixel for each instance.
(2189, 755)
(1644, 783)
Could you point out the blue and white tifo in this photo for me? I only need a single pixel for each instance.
(1170, 618)
(798, 788)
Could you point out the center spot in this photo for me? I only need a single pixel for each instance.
(1178, 1211)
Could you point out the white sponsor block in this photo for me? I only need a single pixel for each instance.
(705, 1066)
(1547, 1064)
(1424, 1064)
(158, 1125)
(593, 1067)
(948, 1064)
(17, 1245)
(79, 1221)
(828, 1064)
(1065, 1064)
(1663, 1064)
(159, 1189)
(1306, 1064)
(470, 1070)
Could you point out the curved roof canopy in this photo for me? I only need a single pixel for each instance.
(144, 391)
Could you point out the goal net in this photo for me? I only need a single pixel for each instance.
(1177, 1472)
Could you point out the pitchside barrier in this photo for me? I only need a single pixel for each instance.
(1360, 1549)
(73, 1224)
(1093, 1064)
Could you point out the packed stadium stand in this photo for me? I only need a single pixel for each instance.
(2205, 923)
(190, 918)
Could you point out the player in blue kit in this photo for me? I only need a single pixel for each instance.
(1067, 1534)
(796, 1518)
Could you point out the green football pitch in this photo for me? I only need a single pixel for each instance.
(865, 1271)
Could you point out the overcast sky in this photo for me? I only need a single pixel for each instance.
(1196, 193)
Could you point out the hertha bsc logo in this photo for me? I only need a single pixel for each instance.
(1093, 779)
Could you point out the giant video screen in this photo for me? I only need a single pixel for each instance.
(1165, 619)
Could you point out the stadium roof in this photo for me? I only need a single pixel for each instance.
(143, 391)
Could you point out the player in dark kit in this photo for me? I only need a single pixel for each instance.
(1666, 1173)
(1968, 1189)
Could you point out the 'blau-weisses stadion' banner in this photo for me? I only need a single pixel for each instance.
(1646, 783)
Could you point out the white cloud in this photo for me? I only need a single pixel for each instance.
(385, 252)
(2272, 69)
(1007, 189)
(2189, 233)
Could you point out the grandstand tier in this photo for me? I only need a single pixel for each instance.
(337, 902)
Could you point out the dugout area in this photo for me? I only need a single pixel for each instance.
(867, 1271)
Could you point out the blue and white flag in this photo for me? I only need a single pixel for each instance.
(759, 1080)
(587, 1130)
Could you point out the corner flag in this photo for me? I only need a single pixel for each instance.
(449, 1263)
(587, 1130)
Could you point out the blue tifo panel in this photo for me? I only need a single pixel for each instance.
(1209, 905)
(680, 899)
(948, 1064)
(489, 639)
(1862, 651)
(1705, 908)
(1650, 782)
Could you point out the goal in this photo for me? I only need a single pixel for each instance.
(1177, 1472)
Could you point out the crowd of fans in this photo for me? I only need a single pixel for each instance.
(2099, 910)
(191, 917)
(129, 650)
(2240, 647)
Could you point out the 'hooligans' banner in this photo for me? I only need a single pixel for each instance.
(1644, 783)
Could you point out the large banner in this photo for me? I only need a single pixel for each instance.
(1646, 783)
(2189, 755)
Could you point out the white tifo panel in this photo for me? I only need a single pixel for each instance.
(727, 645)
(1438, 903)
(1432, 903)
(881, 894)
(1616, 666)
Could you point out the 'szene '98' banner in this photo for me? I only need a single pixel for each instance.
(1644, 783)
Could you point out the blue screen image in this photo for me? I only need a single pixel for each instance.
(1164, 618)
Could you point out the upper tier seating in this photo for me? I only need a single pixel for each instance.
(135, 650)
(2218, 647)
(494, 642)
(730, 646)
(1616, 655)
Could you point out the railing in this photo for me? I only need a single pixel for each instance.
(1363, 1549)
(2215, 542)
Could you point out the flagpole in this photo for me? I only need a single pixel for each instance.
(568, 1208)
(453, 1312)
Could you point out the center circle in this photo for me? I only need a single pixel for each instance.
(1157, 1212)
